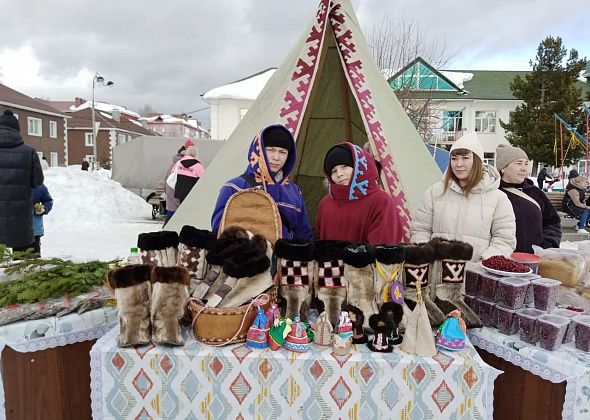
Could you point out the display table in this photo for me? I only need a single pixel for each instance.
(43, 364)
(199, 381)
(563, 365)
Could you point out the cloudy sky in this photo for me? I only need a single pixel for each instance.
(166, 54)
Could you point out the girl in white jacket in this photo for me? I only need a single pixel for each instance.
(467, 205)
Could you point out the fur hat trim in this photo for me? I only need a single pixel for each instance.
(130, 275)
(224, 247)
(248, 267)
(358, 255)
(234, 232)
(293, 249)
(157, 240)
(392, 310)
(451, 249)
(379, 322)
(328, 250)
(198, 238)
(419, 254)
(389, 254)
(171, 275)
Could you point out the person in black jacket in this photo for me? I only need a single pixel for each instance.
(20, 172)
(537, 221)
(574, 201)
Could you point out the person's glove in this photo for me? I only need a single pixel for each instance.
(39, 208)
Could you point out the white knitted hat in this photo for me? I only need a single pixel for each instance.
(470, 142)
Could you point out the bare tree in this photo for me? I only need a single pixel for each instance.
(146, 110)
(394, 44)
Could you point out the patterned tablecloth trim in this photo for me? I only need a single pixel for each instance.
(95, 373)
(493, 373)
(536, 368)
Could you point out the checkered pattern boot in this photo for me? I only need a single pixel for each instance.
(159, 248)
(417, 268)
(296, 265)
(194, 244)
(360, 279)
(448, 273)
(329, 280)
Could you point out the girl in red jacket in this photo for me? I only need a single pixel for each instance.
(356, 209)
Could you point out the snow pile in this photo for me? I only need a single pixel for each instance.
(457, 77)
(90, 198)
(248, 88)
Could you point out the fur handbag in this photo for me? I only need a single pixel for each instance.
(132, 291)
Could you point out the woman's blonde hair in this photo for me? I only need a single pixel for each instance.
(475, 176)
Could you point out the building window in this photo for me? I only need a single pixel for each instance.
(88, 139)
(489, 158)
(243, 112)
(485, 121)
(53, 129)
(54, 159)
(452, 121)
(89, 158)
(35, 126)
(121, 138)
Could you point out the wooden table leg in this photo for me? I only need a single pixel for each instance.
(518, 394)
(48, 384)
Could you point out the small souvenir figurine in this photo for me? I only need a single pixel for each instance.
(344, 328)
(323, 330)
(297, 340)
(341, 346)
(257, 336)
(357, 318)
(382, 329)
(451, 334)
(273, 313)
(278, 332)
(393, 312)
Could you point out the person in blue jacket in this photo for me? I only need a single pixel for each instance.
(271, 159)
(42, 204)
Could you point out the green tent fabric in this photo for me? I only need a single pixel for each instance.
(327, 90)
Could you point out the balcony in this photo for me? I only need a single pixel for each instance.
(444, 137)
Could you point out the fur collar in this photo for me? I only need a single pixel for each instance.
(296, 250)
(171, 275)
(390, 254)
(358, 255)
(197, 238)
(328, 250)
(157, 240)
(252, 261)
(419, 254)
(232, 240)
(130, 275)
(451, 249)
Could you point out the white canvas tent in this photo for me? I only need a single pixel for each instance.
(142, 163)
(327, 90)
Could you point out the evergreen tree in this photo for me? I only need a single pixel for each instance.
(548, 90)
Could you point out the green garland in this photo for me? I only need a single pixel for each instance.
(63, 278)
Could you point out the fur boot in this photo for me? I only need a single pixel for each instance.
(194, 244)
(449, 276)
(132, 290)
(232, 241)
(169, 297)
(248, 274)
(159, 248)
(296, 266)
(390, 259)
(419, 259)
(359, 273)
(329, 279)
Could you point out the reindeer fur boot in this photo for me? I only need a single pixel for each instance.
(329, 279)
(233, 240)
(132, 290)
(448, 273)
(194, 244)
(169, 297)
(296, 266)
(359, 273)
(417, 268)
(159, 248)
(248, 274)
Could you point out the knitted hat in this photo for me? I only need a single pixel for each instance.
(297, 339)
(9, 120)
(506, 154)
(470, 142)
(337, 155)
(277, 136)
(188, 143)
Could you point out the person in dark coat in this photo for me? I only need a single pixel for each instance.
(85, 165)
(271, 158)
(537, 221)
(543, 176)
(42, 205)
(20, 172)
(356, 209)
(574, 201)
(188, 172)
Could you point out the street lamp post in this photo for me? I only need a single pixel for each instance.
(97, 79)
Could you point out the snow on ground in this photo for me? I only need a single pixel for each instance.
(93, 217)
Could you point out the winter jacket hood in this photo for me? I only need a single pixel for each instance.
(10, 138)
(258, 162)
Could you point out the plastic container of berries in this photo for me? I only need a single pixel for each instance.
(552, 328)
(472, 302)
(507, 321)
(488, 313)
(545, 293)
(571, 328)
(582, 334)
(511, 292)
(528, 328)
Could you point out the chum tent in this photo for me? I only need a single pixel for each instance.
(327, 90)
(441, 157)
(142, 162)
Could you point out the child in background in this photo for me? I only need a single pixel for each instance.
(356, 209)
(42, 204)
